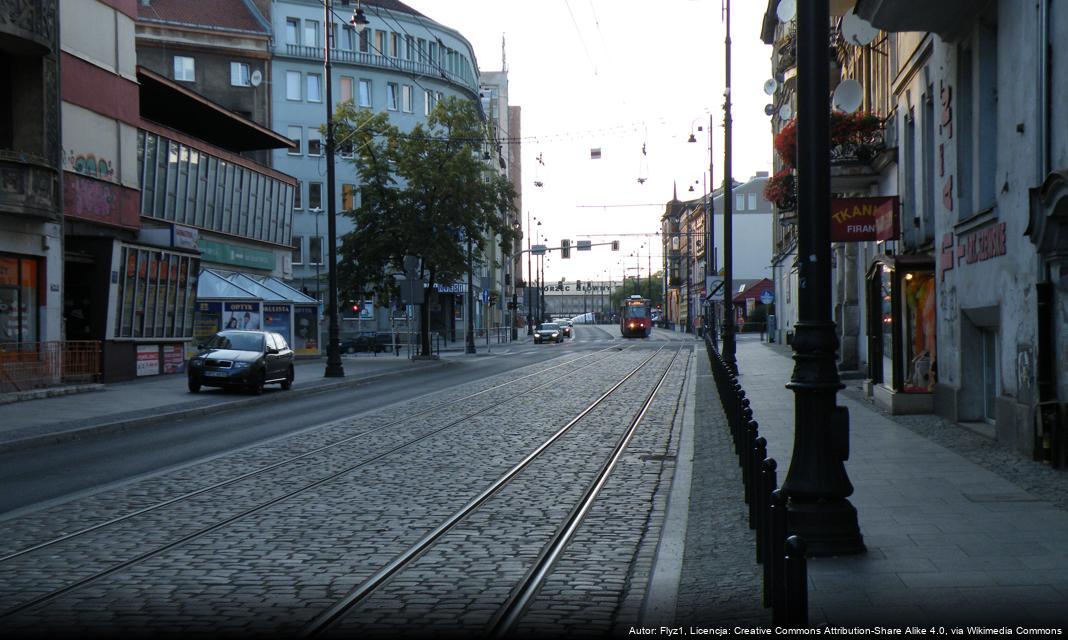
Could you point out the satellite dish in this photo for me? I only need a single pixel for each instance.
(857, 30)
(770, 86)
(785, 112)
(786, 10)
(848, 96)
(257, 78)
(769, 109)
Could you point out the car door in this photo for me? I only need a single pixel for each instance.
(271, 357)
(285, 355)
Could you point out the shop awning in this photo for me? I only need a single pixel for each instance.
(245, 282)
(284, 290)
(215, 286)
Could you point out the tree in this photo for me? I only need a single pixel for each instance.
(423, 193)
(651, 288)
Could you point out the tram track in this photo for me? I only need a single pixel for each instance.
(203, 491)
(520, 596)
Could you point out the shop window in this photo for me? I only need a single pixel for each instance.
(154, 297)
(988, 343)
(920, 332)
(18, 299)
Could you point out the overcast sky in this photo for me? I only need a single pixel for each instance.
(619, 75)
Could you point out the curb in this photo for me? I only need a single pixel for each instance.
(49, 392)
(118, 426)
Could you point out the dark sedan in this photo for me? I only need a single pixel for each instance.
(245, 359)
(548, 332)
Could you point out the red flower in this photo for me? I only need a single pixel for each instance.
(780, 187)
(845, 128)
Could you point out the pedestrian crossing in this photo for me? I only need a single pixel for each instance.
(592, 336)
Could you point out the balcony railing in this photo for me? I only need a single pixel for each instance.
(28, 186)
(347, 56)
(32, 365)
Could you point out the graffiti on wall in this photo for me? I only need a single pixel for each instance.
(88, 164)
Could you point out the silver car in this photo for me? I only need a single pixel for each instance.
(548, 332)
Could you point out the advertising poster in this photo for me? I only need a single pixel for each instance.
(207, 321)
(276, 318)
(241, 315)
(147, 360)
(173, 358)
(305, 330)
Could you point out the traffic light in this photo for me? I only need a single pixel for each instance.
(615, 245)
(356, 307)
(565, 248)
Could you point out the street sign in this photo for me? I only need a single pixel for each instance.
(485, 296)
(412, 291)
(538, 250)
(767, 297)
(584, 245)
(714, 287)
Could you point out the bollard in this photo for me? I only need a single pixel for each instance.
(768, 483)
(796, 587)
(773, 555)
(748, 487)
(757, 490)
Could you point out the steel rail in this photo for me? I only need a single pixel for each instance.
(281, 463)
(52, 595)
(507, 617)
(332, 614)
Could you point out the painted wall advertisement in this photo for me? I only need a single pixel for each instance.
(147, 360)
(241, 315)
(305, 330)
(276, 318)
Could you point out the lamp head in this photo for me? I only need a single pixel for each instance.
(693, 138)
(359, 20)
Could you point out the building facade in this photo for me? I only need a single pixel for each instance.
(31, 180)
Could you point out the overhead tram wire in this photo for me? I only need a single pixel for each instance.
(582, 41)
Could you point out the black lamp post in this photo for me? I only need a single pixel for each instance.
(530, 279)
(469, 338)
(816, 485)
(729, 347)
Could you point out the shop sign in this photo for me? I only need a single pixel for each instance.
(147, 360)
(184, 237)
(977, 246)
(863, 219)
(223, 253)
(173, 358)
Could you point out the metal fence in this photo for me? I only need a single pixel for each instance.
(33, 365)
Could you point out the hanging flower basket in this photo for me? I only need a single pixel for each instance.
(781, 190)
(856, 136)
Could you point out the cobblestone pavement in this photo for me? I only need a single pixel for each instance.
(272, 570)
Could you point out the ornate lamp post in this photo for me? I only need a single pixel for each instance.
(729, 347)
(816, 485)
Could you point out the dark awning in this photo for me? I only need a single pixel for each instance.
(168, 103)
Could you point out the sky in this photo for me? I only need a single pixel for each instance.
(620, 76)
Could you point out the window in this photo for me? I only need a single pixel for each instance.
(365, 93)
(292, 31)
(184, 69)
(315, 250)
(391, 96)
(298, 250)
(365, 41)
(988, 340)
(296, 134)
(347, 191)
(298, 200)
(19, 287)
(315, 195)
(409, 49)
(406, 98)
(311, 33)
(315, 142)
(421, 50)
(348, 38)
(346, 88)
(739, 202)
(394, 44)
(380, 43)
(752, 201)
(239, 76)
(428, 101)
(292, 85)
(313, 88)
(433, 57)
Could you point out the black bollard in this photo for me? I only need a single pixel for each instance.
(757, 490)
(748, 487)
(773, 556)
(796, 588)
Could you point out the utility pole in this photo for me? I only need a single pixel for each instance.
(729, 347)
(334, 369)
(469, 339)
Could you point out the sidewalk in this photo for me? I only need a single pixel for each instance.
(968, 535)
(125, 405)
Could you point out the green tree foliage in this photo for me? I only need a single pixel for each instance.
(651, 288)
(422, 193)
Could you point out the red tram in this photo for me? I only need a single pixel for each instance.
(635, 319)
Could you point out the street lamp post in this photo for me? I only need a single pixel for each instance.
(530, 278)
(816, 485)
(334, 369)
(729, 347)
(469, 339)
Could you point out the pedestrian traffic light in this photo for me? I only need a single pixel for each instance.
(355, 307)
(615, 245)
(565, 248)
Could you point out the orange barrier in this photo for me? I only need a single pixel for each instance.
(32, 365)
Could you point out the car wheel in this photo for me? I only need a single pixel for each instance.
(257, 387)
(194, 385)
(287, 384)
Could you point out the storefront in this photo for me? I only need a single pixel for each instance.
(902, 348)
(20, 299)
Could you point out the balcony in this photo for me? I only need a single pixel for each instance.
(345, 56)
(28, 28)
(944, 17)
(28, 186)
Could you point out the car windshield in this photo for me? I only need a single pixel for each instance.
(237, 341)
(549, 326)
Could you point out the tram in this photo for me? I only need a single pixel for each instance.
(635, 320)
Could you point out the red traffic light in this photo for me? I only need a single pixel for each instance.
(355, 307)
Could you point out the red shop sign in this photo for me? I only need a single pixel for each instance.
(864, 219)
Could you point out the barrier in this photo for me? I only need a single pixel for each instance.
(33, 365)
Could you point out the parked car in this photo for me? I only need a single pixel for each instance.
(245, 359)
(548, 332)
(362, 343)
